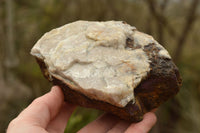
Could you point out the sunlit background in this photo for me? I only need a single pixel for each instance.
(174, 23)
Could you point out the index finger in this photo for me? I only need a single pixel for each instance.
(145, 125)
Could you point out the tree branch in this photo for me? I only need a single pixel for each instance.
(160, 18)
(10, 56)
(160, 27)
(2, 41)
(190, 19)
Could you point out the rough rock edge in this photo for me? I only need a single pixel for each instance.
(158, 87)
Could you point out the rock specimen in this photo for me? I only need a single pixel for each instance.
(108, 66)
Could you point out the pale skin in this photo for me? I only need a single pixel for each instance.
(50, 114)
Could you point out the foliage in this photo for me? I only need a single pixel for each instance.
(80, 118)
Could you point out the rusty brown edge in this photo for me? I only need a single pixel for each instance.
(149, 95)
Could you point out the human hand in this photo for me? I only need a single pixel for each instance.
(49, 113)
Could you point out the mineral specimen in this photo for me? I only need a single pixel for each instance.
(109, 66)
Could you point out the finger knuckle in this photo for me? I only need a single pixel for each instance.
(13, 123)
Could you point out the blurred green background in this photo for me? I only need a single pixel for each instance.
(174, 23)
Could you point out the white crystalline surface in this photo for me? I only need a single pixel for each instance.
(92, 58)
